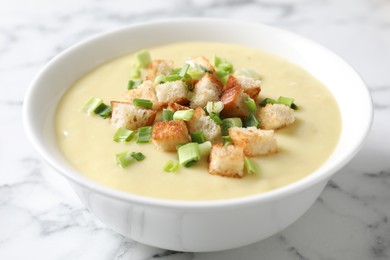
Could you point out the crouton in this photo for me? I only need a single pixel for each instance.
(208, 88)
(250, 86)
(125, 114)
(254, 141)
(144, 91)
(167, 134)
(275, 116)
(175, 91)
(233, 100)
(159, 67)
(201, 122)
(175, 106)
(227, 161)
(204, 62)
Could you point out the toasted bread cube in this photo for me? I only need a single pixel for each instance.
(175, 106)
(175, 91)
(254, 141)
(233, 100)
(144, 91)
(159, 67)
(208, 88)
(125, 114)
(275, 116)
(201, 122)
(250, 86)
(166, 135)
(227, 161)
(204, 62)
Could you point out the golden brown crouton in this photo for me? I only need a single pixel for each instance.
(227, 161)
(174, 91)
(250, 86)
(208, 88)
(254, 141)
(233, 100)
(125, 114)
(175, 106)
(144, 91)
(167, 134)
(204, 62)
(201, 122)
(159, 67)
(275, 116)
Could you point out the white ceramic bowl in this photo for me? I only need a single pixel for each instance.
(198, 226)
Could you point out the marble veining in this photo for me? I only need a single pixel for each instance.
(41, 217)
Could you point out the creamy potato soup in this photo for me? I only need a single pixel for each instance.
(87, 140)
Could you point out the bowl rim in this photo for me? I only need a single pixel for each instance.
(302, 184)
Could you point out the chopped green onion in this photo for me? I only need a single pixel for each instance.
(132, 84)
(159, 79)
(123, 135)
(185, 115)
(142, 103)
(144, 134)
(222, 75)
(124, 159)
(267, 101)
(103, 110)
(248, 72)
(251, 120)
(138, 156)
(214, 107)
(171, 166)
(135, 73)
(226, 140)
(251, 104)
(216, 118)
(198, 137)
(294, 106)
(285, 101)
(188, 154)
(184, 70)
(143, 59)
(205, 149)
(167, 115)
(222, 64)
(230, 122)
(169, 78)
(228, 67)
(250, 166)
(91, 105)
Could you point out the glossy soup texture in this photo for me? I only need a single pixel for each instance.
(86, 141)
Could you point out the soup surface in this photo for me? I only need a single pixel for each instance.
(86, 141)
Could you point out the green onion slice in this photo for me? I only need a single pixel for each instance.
(123, 135)
(226, 140)
(138, 156)
(134, 83)
(230, 122)
(169, 78)
(251, 120)
(135, 73)
(171, 166)
(167, 115)
(251, 104)
(205, 149)
(159, 79)
(288, 102)
(216, 118)
(198, 137)
(142, 103)
(214, 107)
(184, 70)
(267, 101)
(124, 159)
(143, 59)
(188, 154)
(185, 115)
(222, 75)
(103, 110)
(91, 105)
(251, 167)
(144, 134)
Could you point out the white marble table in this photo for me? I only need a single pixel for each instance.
(41, 218)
